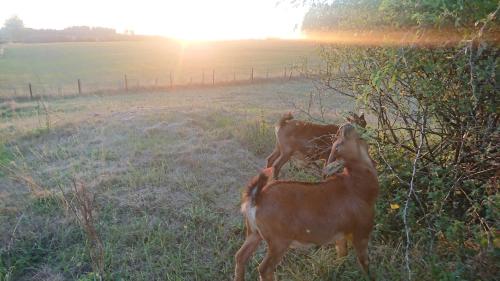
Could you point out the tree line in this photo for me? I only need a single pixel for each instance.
(14, 30)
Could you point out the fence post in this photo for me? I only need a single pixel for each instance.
(284, 73)
(31, 91)
(126, 83)
(290, 77)
(251, 76)
(79, 87)
(213, 76)
(234, 76)
(171, 80)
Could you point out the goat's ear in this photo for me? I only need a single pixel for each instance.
(268, 172)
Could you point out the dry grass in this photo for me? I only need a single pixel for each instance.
(82, 204)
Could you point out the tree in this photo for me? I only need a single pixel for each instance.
(13, 28)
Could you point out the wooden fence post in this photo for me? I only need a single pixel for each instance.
(171, 80)
(126, 83)
(251, 76)
(213, 76)
(31, 91)
(79, 87)
(290, 77)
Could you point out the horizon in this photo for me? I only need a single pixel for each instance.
(191, 20)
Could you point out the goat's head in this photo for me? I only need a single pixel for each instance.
(355, 119)
(347, 148)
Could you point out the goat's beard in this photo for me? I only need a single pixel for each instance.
(334, 167)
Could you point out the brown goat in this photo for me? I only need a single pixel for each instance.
(309, 141)
(292, 214)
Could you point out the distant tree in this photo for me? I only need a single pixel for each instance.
(13, 27)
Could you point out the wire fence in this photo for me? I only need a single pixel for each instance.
(206, 77)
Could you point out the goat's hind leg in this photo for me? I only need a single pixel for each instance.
(282, 159)
(244, 253)
(275, 252)
(273, 156)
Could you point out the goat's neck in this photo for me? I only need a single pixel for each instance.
(363, 177)
(360, 170)
(363, 164)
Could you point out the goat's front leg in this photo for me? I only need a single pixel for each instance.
(360, 243)
(275, 251)
(244, 253)
(341, 247)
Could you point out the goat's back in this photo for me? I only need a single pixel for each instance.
(310, 139)
(311, 212)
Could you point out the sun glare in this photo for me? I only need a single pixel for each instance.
(185, 20)
(226, 20)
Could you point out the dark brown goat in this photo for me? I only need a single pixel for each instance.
(308, 141)
(292, 214)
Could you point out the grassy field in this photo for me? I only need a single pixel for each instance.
(163, 173)
(166, 169)
(53, 69)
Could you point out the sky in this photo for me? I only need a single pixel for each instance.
(181, 19)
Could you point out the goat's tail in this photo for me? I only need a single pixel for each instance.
(286, 117)
(255, 186)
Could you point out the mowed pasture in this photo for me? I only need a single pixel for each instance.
(166, 169)
(53, 69)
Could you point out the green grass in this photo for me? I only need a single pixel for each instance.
(53, 69)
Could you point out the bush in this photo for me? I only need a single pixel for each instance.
(436, 104)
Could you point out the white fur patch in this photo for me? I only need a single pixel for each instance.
(249, 211)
